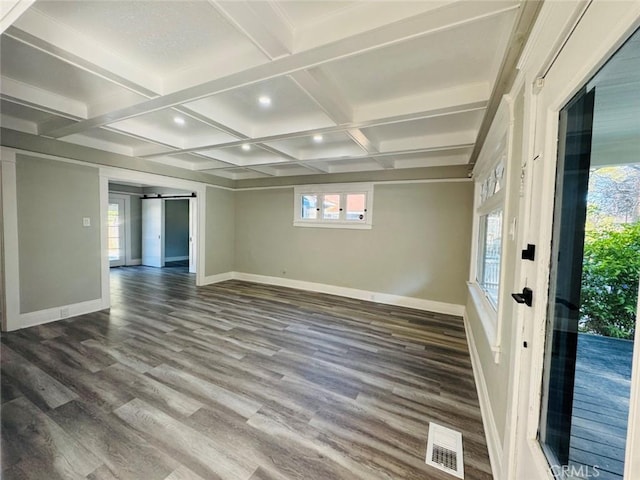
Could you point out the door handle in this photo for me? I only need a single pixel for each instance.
(525, 297)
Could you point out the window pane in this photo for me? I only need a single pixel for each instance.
(356, 204)
(113, 231)
(499, 174)
(491, 249)
(309, 207)
(331, 207)
(113, 214)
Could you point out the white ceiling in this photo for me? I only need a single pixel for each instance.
(386, 84)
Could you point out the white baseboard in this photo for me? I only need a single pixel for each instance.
(220, 277)
(134, 262)
(386, 298)
(176, 259)
(488, 420)
(40, 317)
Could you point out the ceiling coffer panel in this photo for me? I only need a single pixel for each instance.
(261, 88)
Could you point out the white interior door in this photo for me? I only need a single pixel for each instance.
(153, 232)
(116, 234)
(193, 233)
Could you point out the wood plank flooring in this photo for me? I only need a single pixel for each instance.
(235, 381)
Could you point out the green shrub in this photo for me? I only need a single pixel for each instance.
(610, 275)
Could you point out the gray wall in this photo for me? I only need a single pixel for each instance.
(135, 224)
(219, 231)
(59, 258)
(176, 228)
(418, 246)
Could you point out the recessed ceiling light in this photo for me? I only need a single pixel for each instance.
(317, 138)
(264, 100)
(246, 147)
(178, 120)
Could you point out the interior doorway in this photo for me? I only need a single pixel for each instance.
(134, 186)
(169, 231)
(151, 226)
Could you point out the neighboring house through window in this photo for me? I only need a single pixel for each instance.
(333, 206)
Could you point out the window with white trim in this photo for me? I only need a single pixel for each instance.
(333, 205)
(489, 250)
(490, 216)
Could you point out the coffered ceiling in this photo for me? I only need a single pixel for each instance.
(248, 89)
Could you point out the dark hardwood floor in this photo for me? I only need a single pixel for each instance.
(235, 381)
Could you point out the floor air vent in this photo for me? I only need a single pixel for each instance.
(444, 450)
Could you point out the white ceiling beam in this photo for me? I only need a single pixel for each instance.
(54, 38)
(270, 171)
(195, 166)
(382, 155)
(212, 164)
(347, 167)
(259, 22)
(276, 151)
(42, 100)
(18, 124)
(120, 99)
(358, 17)
(323, 91)
(212, 123)
(410, 28)
(362, 140)
(508, 69)
(369, 146)
(315, 167)
(98, 143)
(325, 94)
(452, 109)
(55, 122)
(476, 94)
(433, 142)
(11, 10)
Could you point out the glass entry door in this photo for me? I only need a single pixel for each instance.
(115, 232)
(566, 271)
(595, 273)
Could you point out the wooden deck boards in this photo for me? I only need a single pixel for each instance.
(601, 404)
(235, 381)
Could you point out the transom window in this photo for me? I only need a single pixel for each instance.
(333, 206)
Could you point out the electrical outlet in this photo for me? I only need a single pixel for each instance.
(64, 312)
(86, 221)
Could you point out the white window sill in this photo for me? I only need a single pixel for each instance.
(488, 317)
(354, 226)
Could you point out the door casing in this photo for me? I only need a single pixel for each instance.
(551, 80)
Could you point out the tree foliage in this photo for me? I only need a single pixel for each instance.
(613, 192)
(610, 275)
